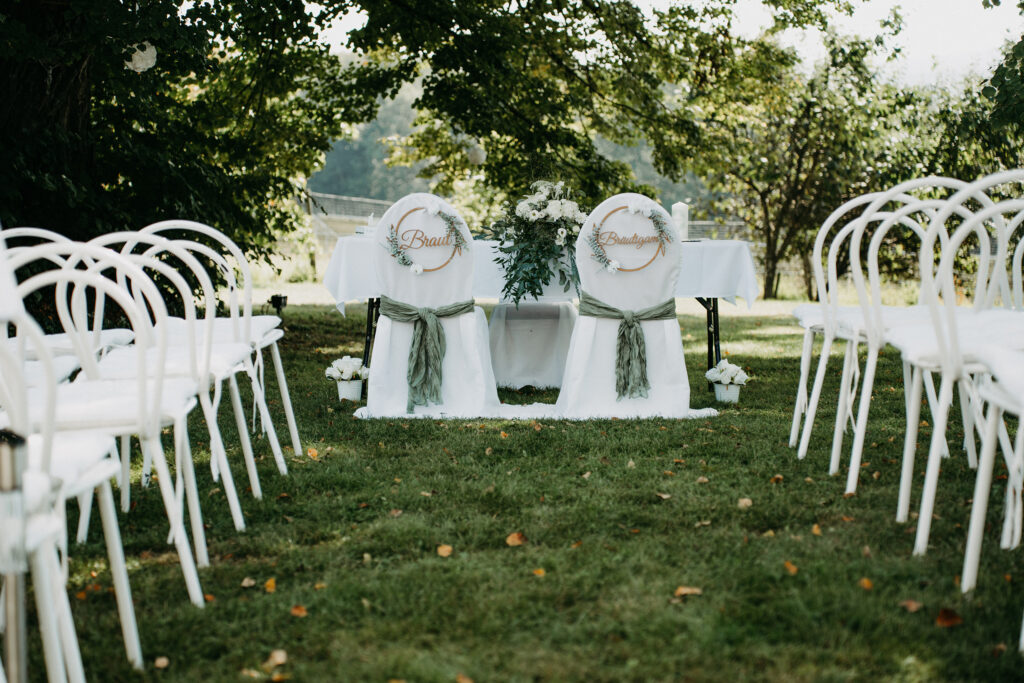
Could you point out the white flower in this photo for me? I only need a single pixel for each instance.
(554, 209)
(332, 373)
(347, 368)
(713, 375)
(560, 240)
(612, 266)
(562, 232)
(523, 209)
(416, 268)
(740, 378)
(364, 372)
(535, 215)
(433, 208)
(142, 59)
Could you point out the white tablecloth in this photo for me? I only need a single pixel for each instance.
(710, 268)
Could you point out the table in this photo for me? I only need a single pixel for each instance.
(710, 270)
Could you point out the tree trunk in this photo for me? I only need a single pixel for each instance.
(771, 269)
(808, 273)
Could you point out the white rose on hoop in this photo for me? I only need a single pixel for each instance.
(613, 266)
(416, 268)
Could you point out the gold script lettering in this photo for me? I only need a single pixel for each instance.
(417, 239)
(610, 238)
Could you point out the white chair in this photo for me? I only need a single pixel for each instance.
(529, 342)
(139, 406)
(425, 266)
(259, 331)
(628, 255)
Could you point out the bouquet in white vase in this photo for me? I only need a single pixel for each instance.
(726, 373)
(347, 369)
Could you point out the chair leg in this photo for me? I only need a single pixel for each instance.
(933, 401)
(183, 452)
(48, 620)
(243, 435)
(979, 508)
(65, 622)
(84, 512)
(228, 480)
(910, 444)
(843, 409)
(812, 404)
(800, 405)
(967, 416)
(126, 464)
(286, 400)
(867, 385)
(261, 404)
(931, 477)
(119, 573)
(181, 543)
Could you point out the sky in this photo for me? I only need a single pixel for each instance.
(943, 41)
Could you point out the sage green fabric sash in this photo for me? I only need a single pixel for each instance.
(426, 353)
(631, 349)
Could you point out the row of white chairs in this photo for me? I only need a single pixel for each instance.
(967, 329)
(136, 380)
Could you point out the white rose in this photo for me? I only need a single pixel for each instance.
(523, 209)
(562, 232)
(722, 364)
(332, 373)
(416, 269)
(560, 240)
(554, 209)
(740, 378)
(713, 375)
(612, 266)
(364, 372)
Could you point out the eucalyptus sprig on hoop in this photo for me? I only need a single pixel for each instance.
(452, 231)
(661, 230)
(534, 239)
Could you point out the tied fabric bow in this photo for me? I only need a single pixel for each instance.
(426, 353)
(631, 347)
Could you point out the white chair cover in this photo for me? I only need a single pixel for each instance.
(588, 385)
(529, 343)
(468, 388)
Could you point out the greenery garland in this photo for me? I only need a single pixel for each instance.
(452, 230)
(661, 230)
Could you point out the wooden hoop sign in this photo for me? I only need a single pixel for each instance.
(636, 240)
(416, 238)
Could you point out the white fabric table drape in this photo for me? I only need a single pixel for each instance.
(721, 269)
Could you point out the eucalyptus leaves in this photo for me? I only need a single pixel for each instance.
(534, 239)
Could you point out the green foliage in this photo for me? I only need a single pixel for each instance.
(1005, 89)
(237, 111)
(535, 238)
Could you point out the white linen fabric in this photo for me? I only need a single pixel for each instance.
(467, 388)
(588, 385)
(708, 268)
(529, 343)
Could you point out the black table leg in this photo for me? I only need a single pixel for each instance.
(372, 314)
(714, 340)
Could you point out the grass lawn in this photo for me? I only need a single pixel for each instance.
(352, 536)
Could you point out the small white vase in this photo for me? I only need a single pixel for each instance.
(727, 393)
(350, 390)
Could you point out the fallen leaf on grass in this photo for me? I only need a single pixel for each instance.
(209, 597)
(790, 567)
(948, 618)
(683, 591)
(816, 530)
(271, 585)
(299, 611)
(744, 503)
(488, 451)
(808, 480)
(426, 494)
(702, 480)
(277, 658)
(769, 534)
(248, 582)
(999, 649)
(577, 544)
(777, 479)
(504, 435)
(395, 513)
(669, 473)
(319, 585)
(313, 453)
(250, 673)
(866, 584)
(279, 676)
(586, 475)
(462, 678)
(539, 572)
(80, 595)
(444, 550)
(515, 538)
(631, 464)
(161, 662)
(911, 605)
(663, 496)
(703, 522)
(1008, 578)
(847, 519)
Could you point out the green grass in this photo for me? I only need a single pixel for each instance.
(382, 604)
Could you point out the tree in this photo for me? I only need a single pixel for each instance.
(238, 109)
(1005, 88)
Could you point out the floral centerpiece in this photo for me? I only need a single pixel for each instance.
(727, 378)
(534, 239)
(349, 373)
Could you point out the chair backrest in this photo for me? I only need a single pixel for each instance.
(10, 302)
(180, 230)
(90, 272)
(150, 252)
(628, 252)
(424, 254)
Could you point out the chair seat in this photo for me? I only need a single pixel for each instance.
(63, 367)
(60, 344)
(111, 404)
(73, 454)
(976, 332)
(852, 323)
(224, 358)
(224, 328)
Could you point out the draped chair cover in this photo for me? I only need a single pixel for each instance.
(467, 387)
(589, 383)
